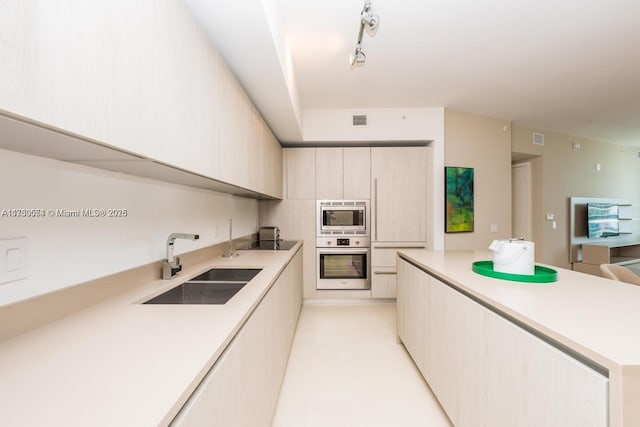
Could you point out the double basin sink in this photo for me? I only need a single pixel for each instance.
(216, 286)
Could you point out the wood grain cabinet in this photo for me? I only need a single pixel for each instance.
(486, 370)
(300, 173)
(272, 165)
(243, 386)
(143, 78)
(399, 201)
(400, 194)
(343, 173)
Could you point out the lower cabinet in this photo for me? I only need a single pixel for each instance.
(243, 386)
(383, 266)
(486, 370)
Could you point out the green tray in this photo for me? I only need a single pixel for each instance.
(541, 274)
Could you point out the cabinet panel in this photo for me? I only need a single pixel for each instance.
(272, 167)
(383, 282)
(486, 370)
(399, 185)
(88, 67)
(357, 172)
(300, 173)
(385, 254)
(383, 259)
(232, 147)
(412, 308)
(242, 388)
(343, 173)
(142, 77)
(255, 152)
(329, 173)
(553, 389)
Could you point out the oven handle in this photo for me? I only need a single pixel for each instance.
(364, 251)
(400, 247)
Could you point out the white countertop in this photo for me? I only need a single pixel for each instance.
(121, 363)
(596, 317)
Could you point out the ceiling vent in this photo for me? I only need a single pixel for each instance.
(360, 120)
(538, 138)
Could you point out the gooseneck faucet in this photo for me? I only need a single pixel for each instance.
(171, 265)
(232, 250)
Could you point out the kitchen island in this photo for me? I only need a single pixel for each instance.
(122, 363)
(502, 353)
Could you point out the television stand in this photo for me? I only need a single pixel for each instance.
(615, 251)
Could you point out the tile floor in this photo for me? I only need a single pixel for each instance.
(346, 370)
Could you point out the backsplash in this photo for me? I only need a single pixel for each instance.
(94, 223)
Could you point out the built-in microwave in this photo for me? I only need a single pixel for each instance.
(343, 217)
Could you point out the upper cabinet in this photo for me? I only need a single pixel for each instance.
(272, 166)
(329, 173)
(142, 78)
(357, 172)
(343, 173)
(399, 193)
(300, 166)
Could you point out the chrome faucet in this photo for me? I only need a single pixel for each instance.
(232, 250)
(171, 265)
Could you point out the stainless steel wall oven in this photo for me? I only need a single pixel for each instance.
(343, 263)
(343, 245)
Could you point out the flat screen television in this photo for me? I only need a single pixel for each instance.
(602, 220)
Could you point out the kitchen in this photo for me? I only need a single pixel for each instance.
(159, 113)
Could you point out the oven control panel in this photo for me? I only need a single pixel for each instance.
(343, 242)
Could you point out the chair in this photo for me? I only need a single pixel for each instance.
(619, 273)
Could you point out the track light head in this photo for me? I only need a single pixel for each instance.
(357, 58)
(370, 20)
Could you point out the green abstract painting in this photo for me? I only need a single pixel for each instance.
(458, 199)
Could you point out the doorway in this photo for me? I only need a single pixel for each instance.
(521, 195)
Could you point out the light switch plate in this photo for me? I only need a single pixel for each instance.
(13, 259)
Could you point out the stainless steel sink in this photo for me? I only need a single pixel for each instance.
(227, 275)
(216, 286)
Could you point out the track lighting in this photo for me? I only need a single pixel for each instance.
(369, 19)
(370, 22)
(357, 58)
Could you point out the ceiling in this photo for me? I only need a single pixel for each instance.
(565, 66)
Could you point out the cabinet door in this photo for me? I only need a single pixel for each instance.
(357, 172)
(255, 152)
(243, 386)
(329, 173)
(300, 171)
(383, 282)
(399, 184)
(232, 147)
(272, 165)
(487, 371)
(413, 303)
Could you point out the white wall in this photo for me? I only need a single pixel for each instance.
(387, 125)
(484, 144)
(68, 251)
(383, 124)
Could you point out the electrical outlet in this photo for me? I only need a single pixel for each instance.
(494, 228)
(13, 259)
